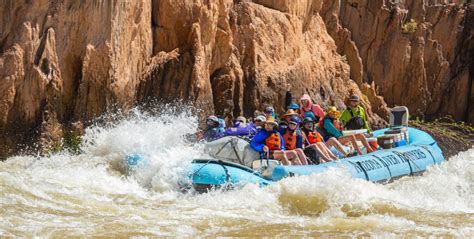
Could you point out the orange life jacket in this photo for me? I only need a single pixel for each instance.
(290, 140)
(273, 141)
(312, 137)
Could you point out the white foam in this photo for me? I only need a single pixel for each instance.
(64, 195)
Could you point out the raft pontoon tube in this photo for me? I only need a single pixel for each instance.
(380, 166)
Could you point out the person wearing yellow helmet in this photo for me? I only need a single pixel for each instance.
(329, 125)
(331, 130)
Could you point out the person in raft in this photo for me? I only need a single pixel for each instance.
(269, 141)
(331, 128)
(295, 107)
(314, 141)
(285, 119)
(259, 122)
(308, 109)
(354, 116)
(293, 138)
(269, 112)
(241, 128)
(213, 129)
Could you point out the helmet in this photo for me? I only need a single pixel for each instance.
(242, 119)
(213, 118)
(308, 120)
(332, 110)
(261, 118)
(293, 106)
(269, 109)
(294, 119)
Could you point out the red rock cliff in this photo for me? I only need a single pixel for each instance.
(430, 68)
(69, 61)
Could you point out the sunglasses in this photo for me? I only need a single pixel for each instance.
(293, 123)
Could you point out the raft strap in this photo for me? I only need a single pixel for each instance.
(385, 164)
(426, 148)
(363, 170)
(221, 163)
(408, 159)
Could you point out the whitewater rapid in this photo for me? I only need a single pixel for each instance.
(90, 194)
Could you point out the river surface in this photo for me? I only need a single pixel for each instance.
(91, 195)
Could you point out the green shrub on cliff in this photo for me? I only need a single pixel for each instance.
(71, 142)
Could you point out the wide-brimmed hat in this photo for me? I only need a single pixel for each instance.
(289, 112)
(271, 120)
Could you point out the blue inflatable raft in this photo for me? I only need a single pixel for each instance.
(381, 166)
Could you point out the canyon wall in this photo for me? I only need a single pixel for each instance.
(430, 68)
(63, 63)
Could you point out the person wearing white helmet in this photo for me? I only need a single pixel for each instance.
(259, 122)
(212, 130)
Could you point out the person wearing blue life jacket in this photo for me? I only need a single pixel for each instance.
(213, 130)
(269, 142)
(241, 128)
(293, 138)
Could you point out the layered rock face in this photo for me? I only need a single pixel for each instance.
(64, 61)
(70, 61)
(428, 68)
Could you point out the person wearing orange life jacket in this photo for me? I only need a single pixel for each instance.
(314, 141)
(331, 130)
(269, 141)
(293, 138)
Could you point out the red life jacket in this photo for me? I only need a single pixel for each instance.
(290, 140)
(312, 137)
(273, 141)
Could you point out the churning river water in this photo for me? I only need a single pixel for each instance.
(90, 194)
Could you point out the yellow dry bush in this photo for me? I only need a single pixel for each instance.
(409, 27)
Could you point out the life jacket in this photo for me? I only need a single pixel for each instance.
(310, 114)
(312, 137)
(356, 121)
(324, 133)
(290, 139)
(273, 141)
